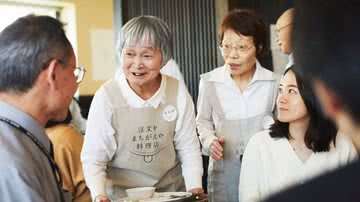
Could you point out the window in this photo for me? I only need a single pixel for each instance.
(65, 12)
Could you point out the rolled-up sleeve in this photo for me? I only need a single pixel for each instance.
(99, 144)
(186, 141)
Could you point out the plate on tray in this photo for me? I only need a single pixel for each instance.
(168, 196)
(165, 197)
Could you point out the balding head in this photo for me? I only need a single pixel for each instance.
(286, 18)
(284, 27)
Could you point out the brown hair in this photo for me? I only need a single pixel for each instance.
(248, 23)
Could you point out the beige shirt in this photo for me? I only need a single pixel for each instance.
(67, 142)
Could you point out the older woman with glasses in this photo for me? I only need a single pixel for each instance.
(141, 125)
(235, 101)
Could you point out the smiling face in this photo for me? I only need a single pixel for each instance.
(239, 53)
(290, 105)
(141, 65)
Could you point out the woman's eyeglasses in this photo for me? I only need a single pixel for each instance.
(227, 48)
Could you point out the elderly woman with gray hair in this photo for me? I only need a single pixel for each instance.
(141, 124)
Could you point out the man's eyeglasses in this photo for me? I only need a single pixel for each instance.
(226, 48)
(79, 73)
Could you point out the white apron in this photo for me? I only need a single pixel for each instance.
(146, 153)
(223, 175)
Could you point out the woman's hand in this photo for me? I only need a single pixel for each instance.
(199, 194)
(102, 198)
(216, 148)
(197, 191)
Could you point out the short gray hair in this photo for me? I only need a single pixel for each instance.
(26, 47)
(150, 29)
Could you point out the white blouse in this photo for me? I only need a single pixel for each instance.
(271, 165)
(234, 103)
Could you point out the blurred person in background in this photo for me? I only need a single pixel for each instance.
(284, 29)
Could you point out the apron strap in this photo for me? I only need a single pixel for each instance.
(112, 88)
(214, 100)
(273, 97)
(172, 87)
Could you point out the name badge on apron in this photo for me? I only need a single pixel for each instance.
(170, 113)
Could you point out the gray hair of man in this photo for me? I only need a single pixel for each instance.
(149, 30)
(26, 48)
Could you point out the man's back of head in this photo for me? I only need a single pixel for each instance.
(37, 66)
(37, 82)
(26, 46)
